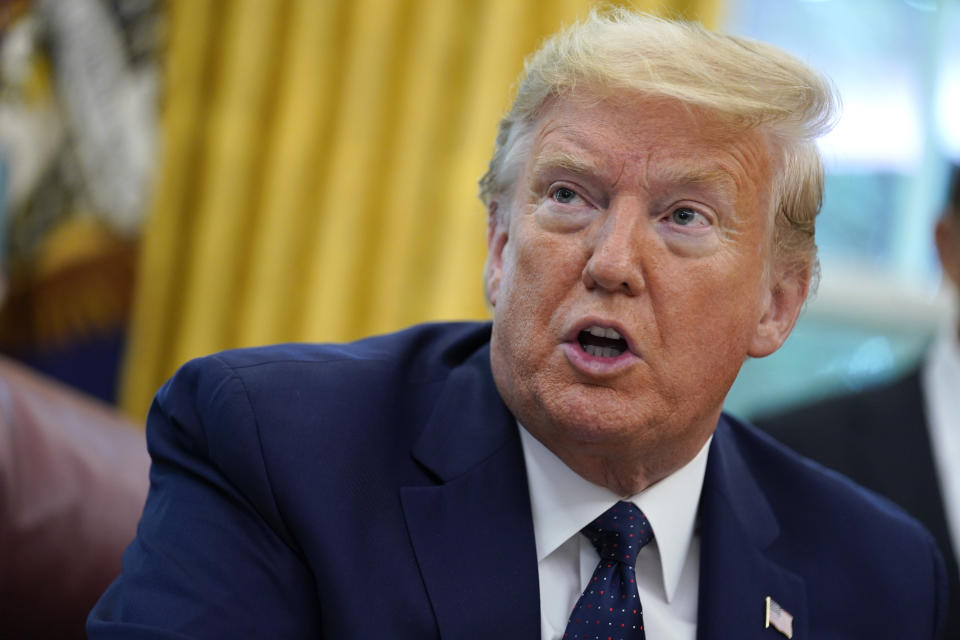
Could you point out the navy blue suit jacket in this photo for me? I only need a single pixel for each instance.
(879, 437)
(377, 490)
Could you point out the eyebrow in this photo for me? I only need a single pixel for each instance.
(693, 175)
(696, 174)
(567, 162)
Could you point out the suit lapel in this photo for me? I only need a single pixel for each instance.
(473, 532)
(736, 572)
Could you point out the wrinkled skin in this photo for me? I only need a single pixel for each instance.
(649, 218)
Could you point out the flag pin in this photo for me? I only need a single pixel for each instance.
(777, 618)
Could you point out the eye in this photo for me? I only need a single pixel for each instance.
(564, 195)
(687, 217)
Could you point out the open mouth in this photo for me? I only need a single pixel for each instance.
(601, 342)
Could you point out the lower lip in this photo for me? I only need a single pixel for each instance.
(595, 365)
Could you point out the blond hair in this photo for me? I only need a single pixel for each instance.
(746, 84)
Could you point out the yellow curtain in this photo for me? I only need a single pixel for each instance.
(319, 168)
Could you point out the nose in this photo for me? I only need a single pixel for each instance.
(615, 253)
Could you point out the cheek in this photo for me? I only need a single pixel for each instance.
(713, 308)
(544, 264)
(705, 340)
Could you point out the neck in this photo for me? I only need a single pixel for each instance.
(625, 475)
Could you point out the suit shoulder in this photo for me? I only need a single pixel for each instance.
(293, 388)
(249, 410)
(844, 540)
(421, 351)
(808, 486)
(830, 515)
(833, 429)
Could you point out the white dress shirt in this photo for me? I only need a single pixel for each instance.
(941, 390)
(668, 568)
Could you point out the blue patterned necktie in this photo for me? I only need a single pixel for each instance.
(610, 604)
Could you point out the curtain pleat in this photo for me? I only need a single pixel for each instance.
(320, 159)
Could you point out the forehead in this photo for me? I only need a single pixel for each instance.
(648, 142)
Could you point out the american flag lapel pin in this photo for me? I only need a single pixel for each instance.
(777, 618)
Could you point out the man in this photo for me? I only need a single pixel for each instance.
(651, 201)
(902, 439)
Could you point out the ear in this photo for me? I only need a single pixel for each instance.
(947, 237)
(496, 241)
(783, 303)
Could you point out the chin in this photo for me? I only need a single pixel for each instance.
(598, 416)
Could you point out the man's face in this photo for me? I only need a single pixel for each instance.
(628, 273)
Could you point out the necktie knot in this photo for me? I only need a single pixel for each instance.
(619, 533)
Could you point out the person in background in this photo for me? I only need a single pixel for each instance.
(566, 470)
(901, 439)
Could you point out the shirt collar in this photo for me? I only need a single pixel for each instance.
(944, 354)
(563, 503)
(940, 375)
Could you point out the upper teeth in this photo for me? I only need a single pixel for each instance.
(603, 332)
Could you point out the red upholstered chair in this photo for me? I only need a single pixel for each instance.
(73, 479)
